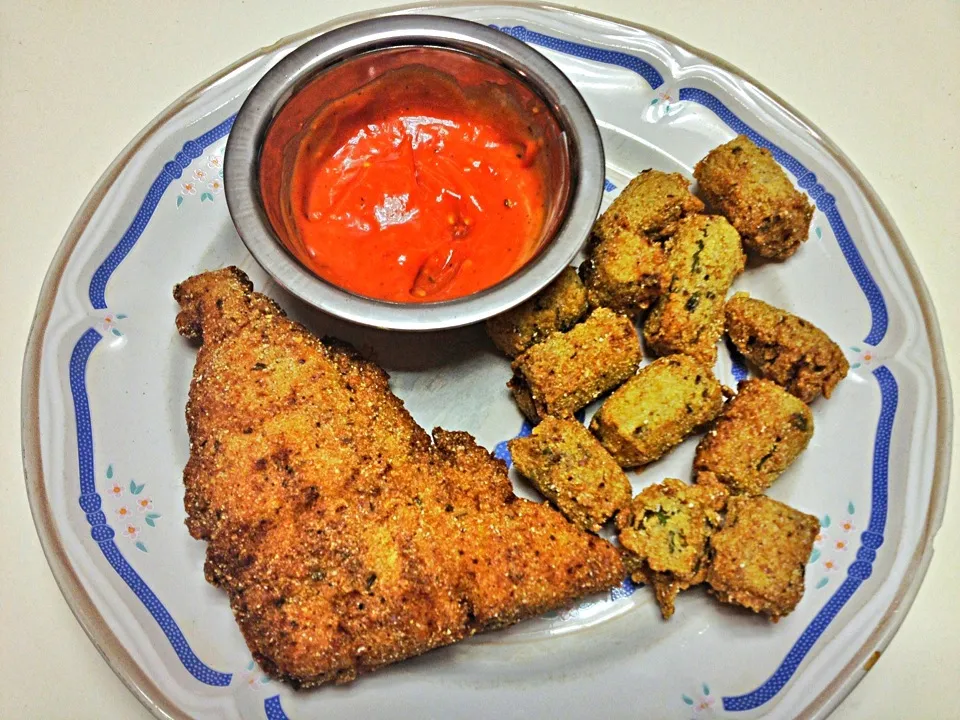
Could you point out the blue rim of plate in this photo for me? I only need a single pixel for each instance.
(871, 539)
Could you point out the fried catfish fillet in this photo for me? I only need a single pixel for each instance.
(346, 538)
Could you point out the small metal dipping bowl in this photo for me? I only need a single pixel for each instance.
(339, 60)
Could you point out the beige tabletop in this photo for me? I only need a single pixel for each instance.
(79, 79)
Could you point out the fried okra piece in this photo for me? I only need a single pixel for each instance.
(635, 566)
(651, 204)
(790, 351)
(759, 433)
(745, 184)
(626, 266)
(570, 468)
(656, 409)
(568, 370)
(556, 308)
(666, 531)
(705, 258)
(760, 555)
(626, 272)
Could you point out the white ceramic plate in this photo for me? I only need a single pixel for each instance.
(106, 377)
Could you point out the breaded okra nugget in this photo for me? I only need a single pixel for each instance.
(558, 307)
(635, 566)
(760, 555)
(665, 530)
(746, 185)
(759, 433)
(567, 464)
(568, 370)
(651, 204)
(790, 351)
(705, 258)
(626, 266)
(626, 272)
(656, 409)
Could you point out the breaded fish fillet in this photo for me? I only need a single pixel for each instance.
(346, 538)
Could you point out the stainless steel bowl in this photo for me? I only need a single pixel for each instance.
(584, 155)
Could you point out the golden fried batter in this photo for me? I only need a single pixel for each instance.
(557, 308)
(568, 370)
(790, 351)
(626, 272)
(760, 555)
(626, 267)
(759, 433)
(650, 205)
(569, 466)
(705, 258)
(656, 409)
(666, 529)
(345, 538)
(746, 185)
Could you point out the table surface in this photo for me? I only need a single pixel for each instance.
(78, 80)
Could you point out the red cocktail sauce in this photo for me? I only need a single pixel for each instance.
(424, 194)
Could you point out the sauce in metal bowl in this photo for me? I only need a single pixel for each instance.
(414, 174)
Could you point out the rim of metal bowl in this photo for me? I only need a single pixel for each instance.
(242, 159)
